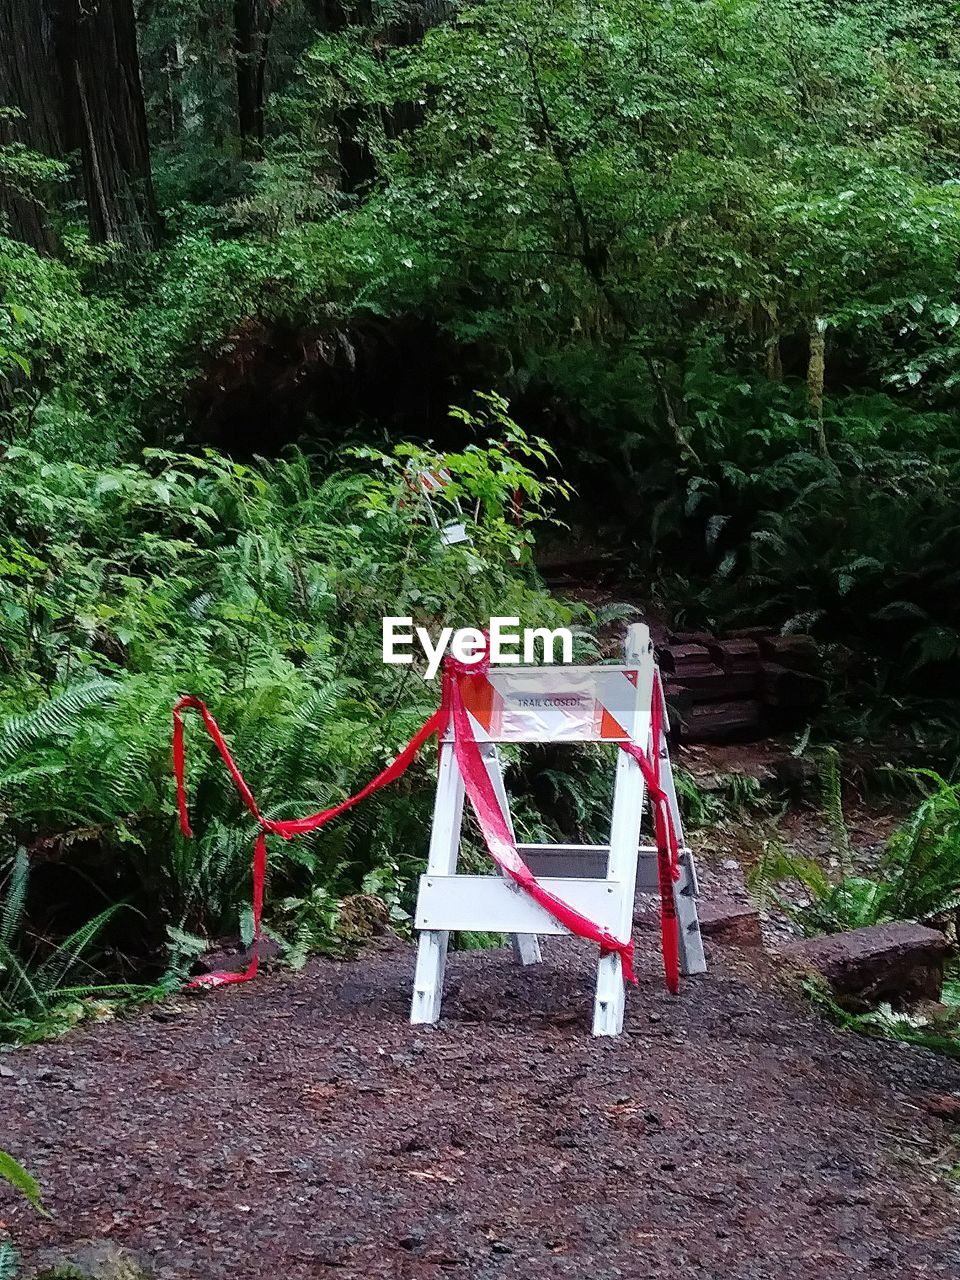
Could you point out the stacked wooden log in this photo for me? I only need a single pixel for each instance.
(744, 686)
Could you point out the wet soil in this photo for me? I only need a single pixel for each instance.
(298, 1127)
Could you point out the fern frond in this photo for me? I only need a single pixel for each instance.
(832, 800)
(51, 974)
(15, 897)
(56, 718)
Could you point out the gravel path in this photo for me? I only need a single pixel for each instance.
(298, 1127)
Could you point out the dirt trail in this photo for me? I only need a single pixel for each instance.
(298, 1127)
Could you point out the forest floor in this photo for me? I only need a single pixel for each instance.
(299, 1127)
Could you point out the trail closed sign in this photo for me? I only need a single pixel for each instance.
(551, 704)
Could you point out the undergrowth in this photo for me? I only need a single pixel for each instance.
(918, 877)
(262, 589)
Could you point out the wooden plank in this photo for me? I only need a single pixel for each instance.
(711, 684)
(735, 655)
(691, 637)
(749, 633)
(491, 902)
(676, 657)
(798, 652)
(715, 721)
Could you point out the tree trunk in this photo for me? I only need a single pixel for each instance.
(105, 117)
(28, 83)
(816, 372)
(774, 359)
(252, 21)
(72, 68)
(408, 24)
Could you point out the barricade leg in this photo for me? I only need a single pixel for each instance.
(442, 860)
(625, 842)
(685, 890)
(692, 959)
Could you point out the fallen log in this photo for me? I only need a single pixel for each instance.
(895, 961)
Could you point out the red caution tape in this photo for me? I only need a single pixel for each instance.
(286, 830)
(496, 833)
(668, 846)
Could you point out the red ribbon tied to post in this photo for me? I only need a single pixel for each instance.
(500, 843)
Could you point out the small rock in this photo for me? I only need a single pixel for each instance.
(796, 775)
(88, 1260)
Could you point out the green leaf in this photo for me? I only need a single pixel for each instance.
(17, 1176)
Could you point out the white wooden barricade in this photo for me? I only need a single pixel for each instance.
(555, 704)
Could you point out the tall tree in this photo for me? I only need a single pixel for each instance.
(104, 116)
(252, 24)
(29, 88)
(71, 67)
(388, 26)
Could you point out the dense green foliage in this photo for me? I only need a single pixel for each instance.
(264, 590)
(720, 270)
(708, 249)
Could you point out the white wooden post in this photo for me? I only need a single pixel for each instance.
(625, 837)
(441, 860)
(526, 946)
(685, 890)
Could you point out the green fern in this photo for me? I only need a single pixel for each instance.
(832, 802)
(38, 989)
(919, 875)
(54, 719)
(13, 1172)
(15, 898)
